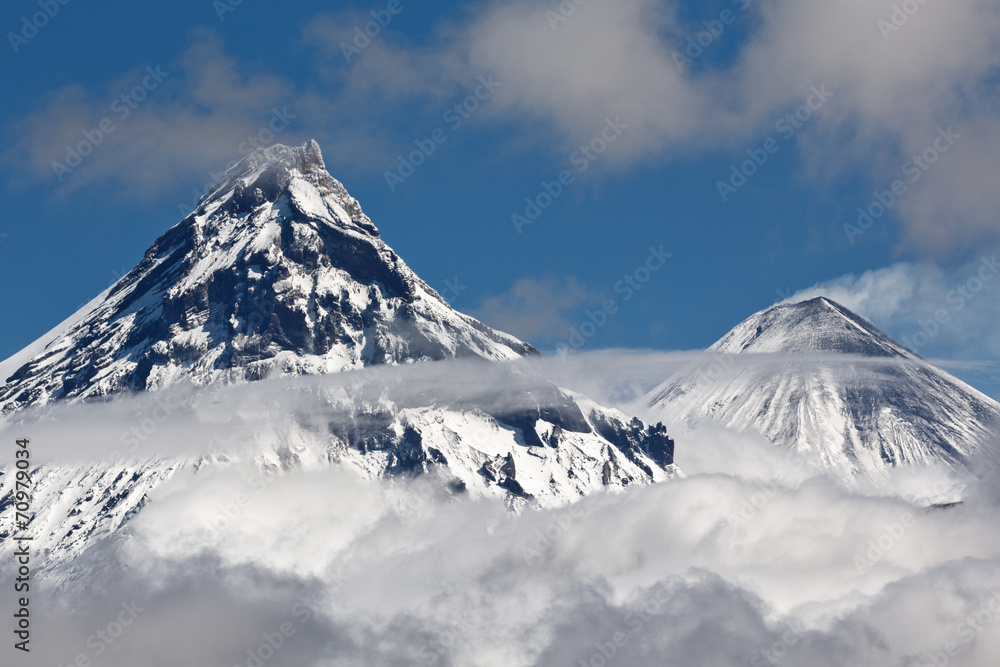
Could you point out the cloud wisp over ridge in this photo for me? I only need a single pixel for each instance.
(890, 91)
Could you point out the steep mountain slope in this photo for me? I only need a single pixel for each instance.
(818, 326)
(279, 290)
(277, 272)
(819, 379)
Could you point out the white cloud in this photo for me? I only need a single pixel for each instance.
(609, 59)
(752, 551)
(606, 60)
(194, 121)
(717, 567)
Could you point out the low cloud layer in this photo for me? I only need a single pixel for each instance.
(754, 558)
(187, 422)
(753, 566)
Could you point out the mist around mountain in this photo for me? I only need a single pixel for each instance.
(273, 329)
(272, 443)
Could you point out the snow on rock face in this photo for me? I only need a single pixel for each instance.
(277, 272)
(818, 379)
(278, 276)
(818, 325)
(534, 446)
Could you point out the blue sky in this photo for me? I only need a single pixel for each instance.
(200, 78)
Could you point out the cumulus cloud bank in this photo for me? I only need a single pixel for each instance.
(718, 568)
(754, 558)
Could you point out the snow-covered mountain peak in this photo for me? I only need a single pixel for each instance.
(277, 275)
(277, 272)
(827, 383)
(306, 159)
(297, 177)
(817, 326)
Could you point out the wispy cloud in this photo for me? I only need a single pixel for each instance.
(890, 95)
(719, 567)
(204, 113)
(537, 309)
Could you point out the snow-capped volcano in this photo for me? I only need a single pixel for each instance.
(818, 326)
(278, 285)
(825, 382)
(277, 272)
